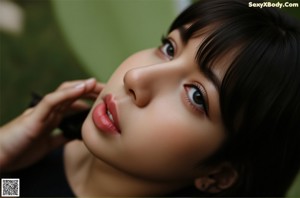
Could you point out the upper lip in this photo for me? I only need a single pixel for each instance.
(112, 108)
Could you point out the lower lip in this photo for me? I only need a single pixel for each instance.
(102, 121)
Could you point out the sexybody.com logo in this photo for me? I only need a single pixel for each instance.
(273, 5)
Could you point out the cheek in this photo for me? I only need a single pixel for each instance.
(169, 143)
(179, 138)
(183, 131)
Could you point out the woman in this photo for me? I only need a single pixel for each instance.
(213, 111)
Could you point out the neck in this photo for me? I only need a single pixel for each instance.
(89, 176)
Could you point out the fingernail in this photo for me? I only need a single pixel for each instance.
(79, 86)
(90, 80)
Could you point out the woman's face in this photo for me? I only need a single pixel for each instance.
(165, 111)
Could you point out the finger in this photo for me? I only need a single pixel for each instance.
(56, 100)
(94, 93)
(98, 88)
(91, 90)
(69, 84)
(90, 96)
(90, 85)
(79, 105)
(27, 111)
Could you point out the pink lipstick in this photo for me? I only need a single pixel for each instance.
(105, 116)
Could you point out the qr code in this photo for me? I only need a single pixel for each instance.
(10, 187)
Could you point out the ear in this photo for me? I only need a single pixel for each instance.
(217, 179)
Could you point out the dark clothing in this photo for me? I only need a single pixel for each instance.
(46, 178)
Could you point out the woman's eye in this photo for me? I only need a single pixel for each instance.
(167, 48)
(195, 97)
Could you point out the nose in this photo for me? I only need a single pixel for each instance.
(144, 83)
(136, 84)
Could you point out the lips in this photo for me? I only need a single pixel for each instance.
(105, 117)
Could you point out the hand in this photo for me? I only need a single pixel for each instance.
(28, 137)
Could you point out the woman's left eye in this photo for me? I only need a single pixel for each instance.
(167, 48)
(195, 97)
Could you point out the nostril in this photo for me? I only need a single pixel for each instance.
(132, 93)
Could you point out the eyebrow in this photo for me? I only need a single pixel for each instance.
(213, 78)
(207, 72)
(182, 33)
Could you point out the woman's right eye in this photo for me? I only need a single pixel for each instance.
(167, 48)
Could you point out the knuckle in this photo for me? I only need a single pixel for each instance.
(48, 100)
(64, 84)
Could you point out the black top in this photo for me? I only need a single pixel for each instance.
(46, 178)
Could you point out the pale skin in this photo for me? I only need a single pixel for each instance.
(165, 133)
(164, 138)
(28, 137)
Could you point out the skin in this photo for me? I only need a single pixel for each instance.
(29, 137)
(165, 132)
(164, 136)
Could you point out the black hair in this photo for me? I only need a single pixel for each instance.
(260, 92)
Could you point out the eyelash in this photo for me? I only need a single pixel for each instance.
(195, 85)
(202, 92)
(165, 41)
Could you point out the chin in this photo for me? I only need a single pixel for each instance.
(88, 132)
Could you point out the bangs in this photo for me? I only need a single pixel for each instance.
(258, 43)
(260, 90)
(220, 24)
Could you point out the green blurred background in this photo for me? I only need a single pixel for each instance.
(60, 40)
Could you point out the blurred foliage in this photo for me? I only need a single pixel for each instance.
(295, 188)
(37, 60)
(64, 40)
(293, 11)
